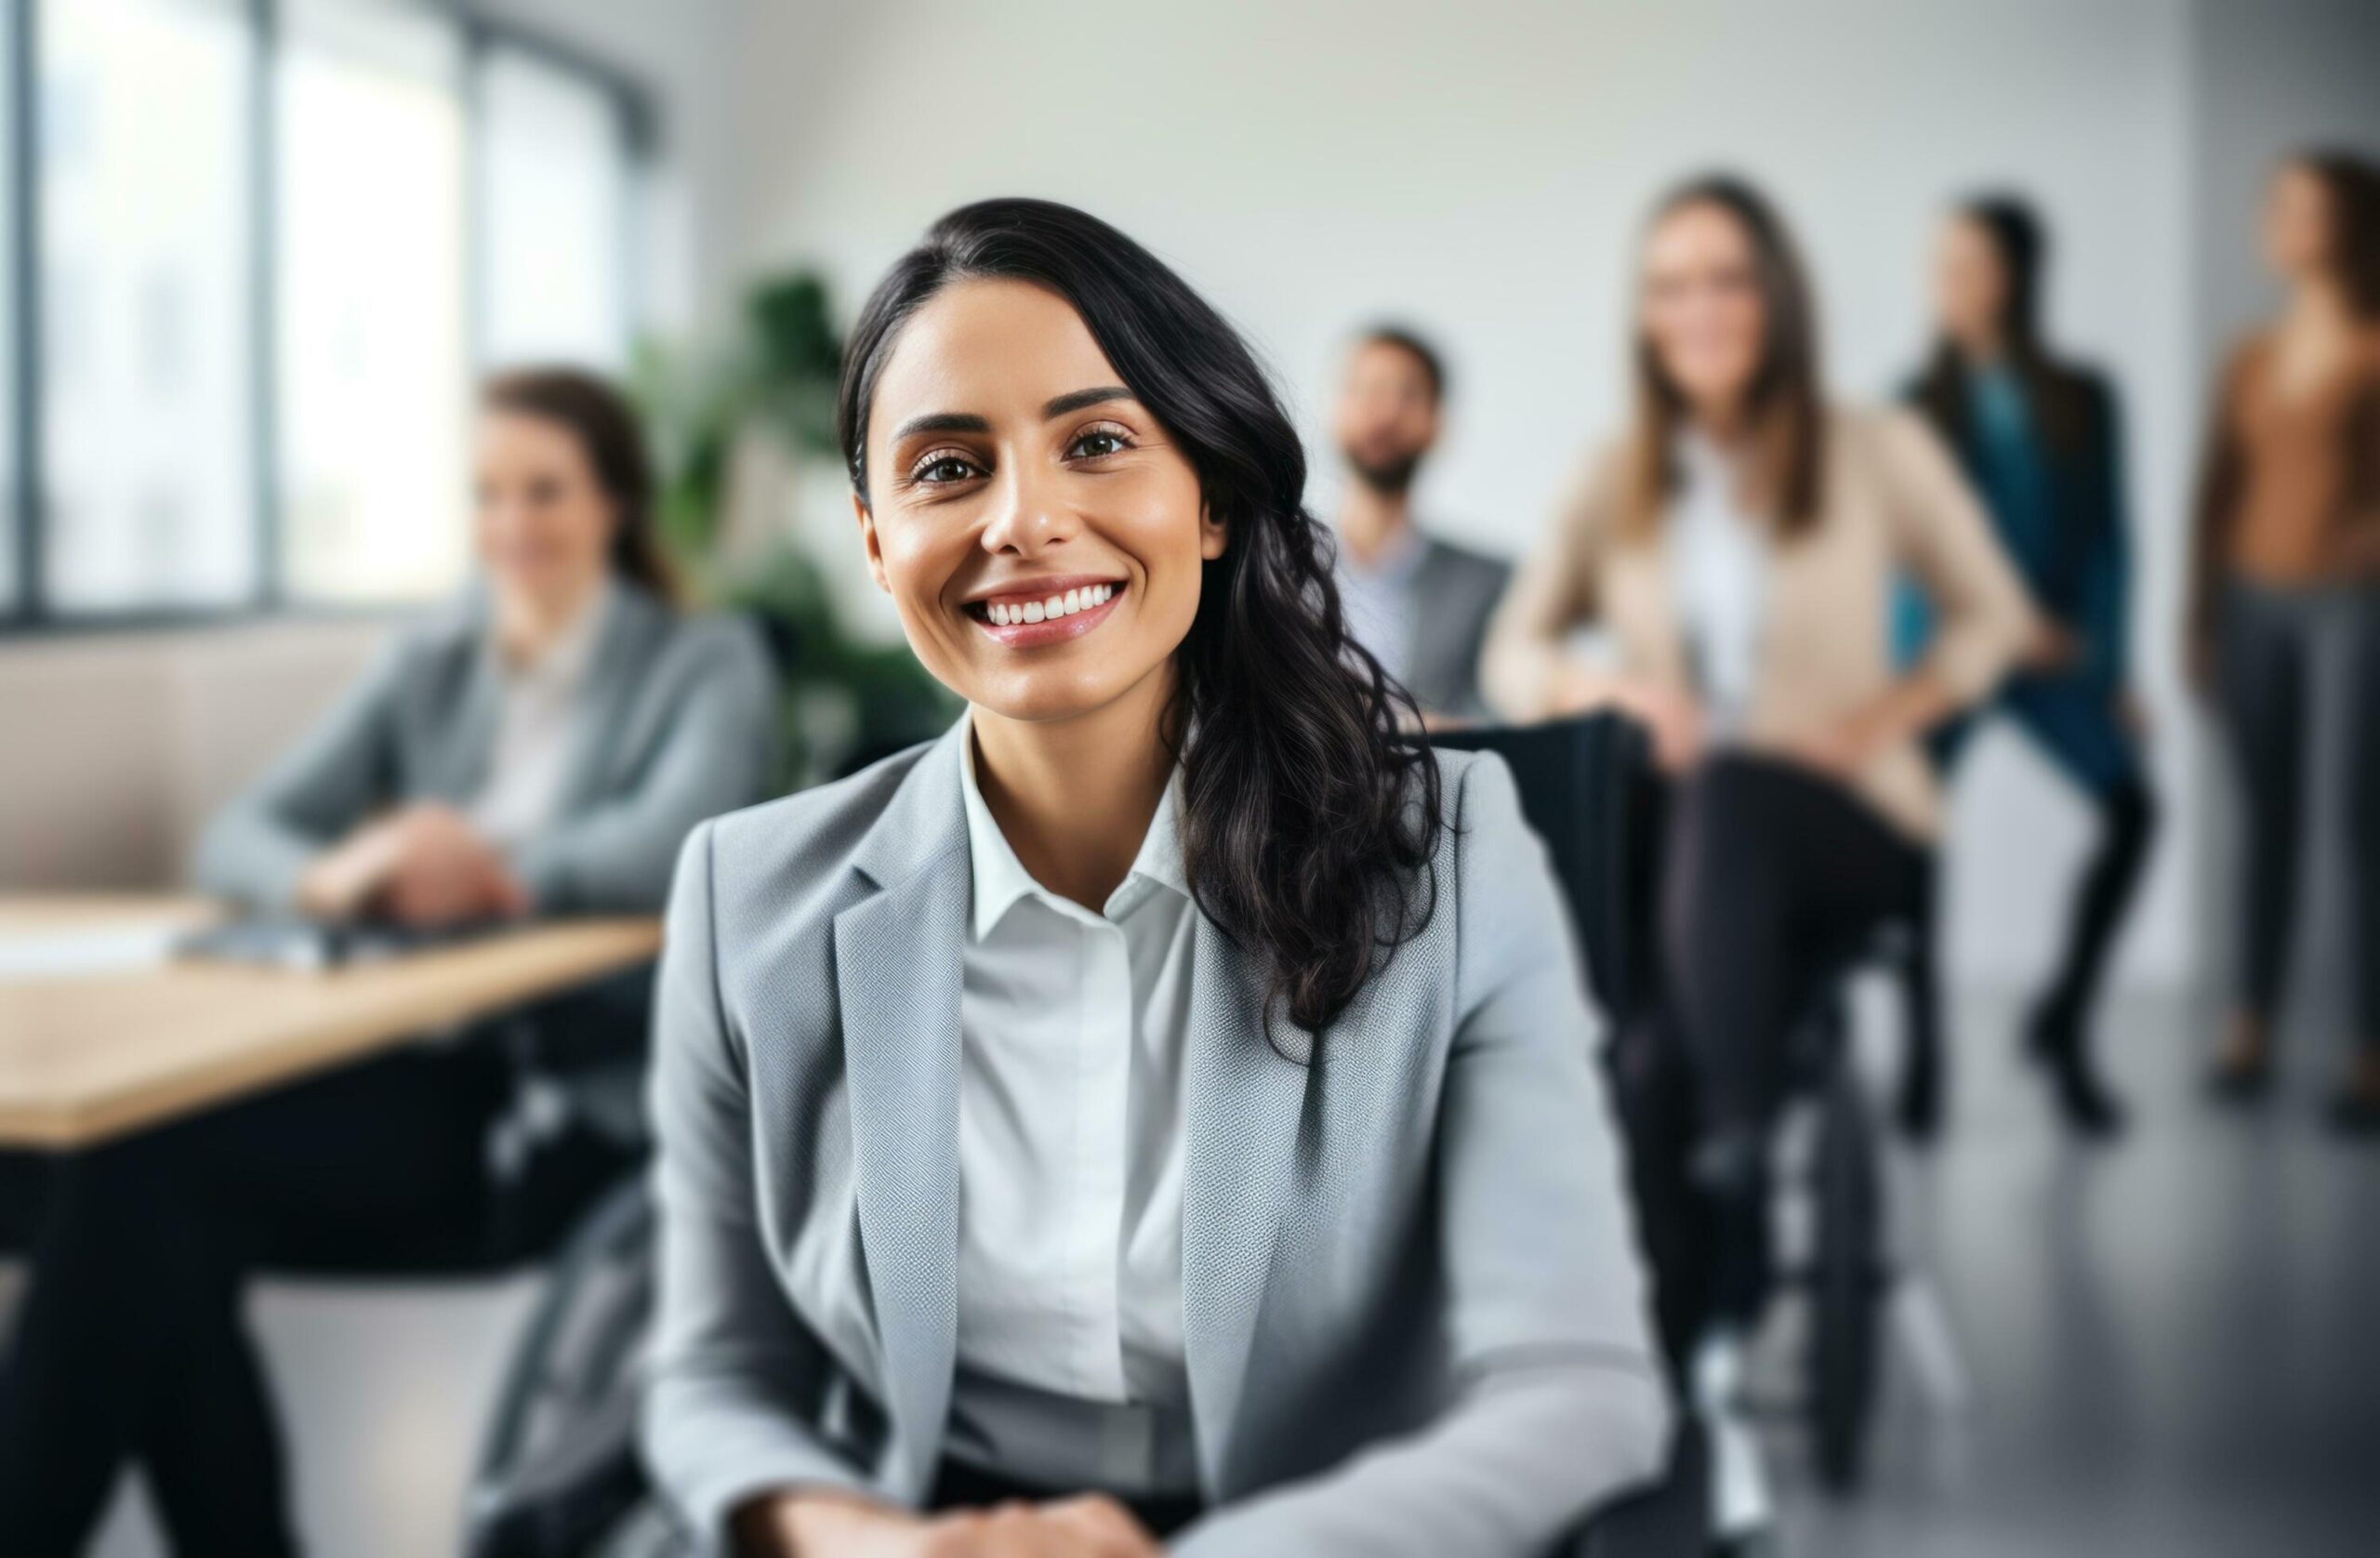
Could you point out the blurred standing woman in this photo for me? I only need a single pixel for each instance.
(543, 750)
(2041, 441)
(1740, 543)
(2287, 571)
(1161, 1109)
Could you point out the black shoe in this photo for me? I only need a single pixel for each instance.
(2054, 1039)
(2231, 1082)
(2354, 1112)
(1919, 1112)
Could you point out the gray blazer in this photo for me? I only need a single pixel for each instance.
(1414, 1313)
(678, 723)
(1455, 592)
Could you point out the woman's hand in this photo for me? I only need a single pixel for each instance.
(424, 866)
(445, 873)
(1669, 714)
(840, 1526)
(2199, 662)
(2055, 647)
(341, 881)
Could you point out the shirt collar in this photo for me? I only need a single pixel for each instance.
(566, 660)
(1001, 879)
(1395, 564)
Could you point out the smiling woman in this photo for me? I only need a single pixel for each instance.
(1196, 1099)
(1037, 404)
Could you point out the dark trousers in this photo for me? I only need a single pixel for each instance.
(131, 1348)
(2073, 722)
(2269, 640)
(22, 1177)
(1772, 878)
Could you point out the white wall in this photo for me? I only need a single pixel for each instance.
(1481, 169)
(672, 49)
(2271, 78)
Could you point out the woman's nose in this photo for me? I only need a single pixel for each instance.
(1025, 514)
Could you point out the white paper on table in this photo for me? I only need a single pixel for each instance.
(30, 954)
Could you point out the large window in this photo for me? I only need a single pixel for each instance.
(269, 244)
(147, 448)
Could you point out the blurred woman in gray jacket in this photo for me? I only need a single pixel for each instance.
(543, 749)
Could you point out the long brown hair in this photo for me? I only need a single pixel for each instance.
(1787, 404)
(600, 417)
(2351, 182)
(2059, 397)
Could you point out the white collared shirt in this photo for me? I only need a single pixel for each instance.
(1073, 1027)
(537, 719)
(1720, 581)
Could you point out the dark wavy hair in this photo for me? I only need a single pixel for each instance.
(608, 433)
(1788, 397)
(1309, 821)
(2061, 397)
(2351, 182)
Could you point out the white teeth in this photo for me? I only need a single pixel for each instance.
(1001, 613)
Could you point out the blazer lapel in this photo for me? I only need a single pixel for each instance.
(633, 625)
(897, 966)
(465, 739)
(1243, 1104)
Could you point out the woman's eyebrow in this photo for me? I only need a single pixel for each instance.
(941, 422)
(1081, 398)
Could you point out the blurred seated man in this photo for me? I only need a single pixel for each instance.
(1417, 603)
(543, 750)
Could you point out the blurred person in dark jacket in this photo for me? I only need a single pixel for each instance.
(1420, 604)
(2041, 439)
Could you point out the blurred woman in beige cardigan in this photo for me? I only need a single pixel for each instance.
(1740, 545)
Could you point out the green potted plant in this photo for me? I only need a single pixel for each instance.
(753, 507)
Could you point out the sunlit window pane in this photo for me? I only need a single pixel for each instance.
(374, 361)
(10, 600)
(552, 199)
(146, 332)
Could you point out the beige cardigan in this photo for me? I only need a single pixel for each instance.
(1892, 501)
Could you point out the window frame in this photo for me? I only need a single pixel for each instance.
(31, 615)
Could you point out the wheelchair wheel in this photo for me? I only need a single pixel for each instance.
(1846, 1285)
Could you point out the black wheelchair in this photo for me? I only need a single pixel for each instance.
(1588, 785)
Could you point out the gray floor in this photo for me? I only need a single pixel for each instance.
(2166, 1349)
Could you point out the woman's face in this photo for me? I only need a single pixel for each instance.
(1970, 284)
(544, 523)
(2297, 224)
(1700, 307)
(1040, 536)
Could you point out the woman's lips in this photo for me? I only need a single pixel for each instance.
(1020, 633)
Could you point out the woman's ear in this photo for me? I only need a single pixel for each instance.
(1212, 534)
(868, 539)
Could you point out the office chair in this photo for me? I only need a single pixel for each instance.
(1588, 788)
(558, 1472)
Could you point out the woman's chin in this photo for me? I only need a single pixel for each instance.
(1048, 695)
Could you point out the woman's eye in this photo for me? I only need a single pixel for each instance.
(1098, 443)
(942, 469)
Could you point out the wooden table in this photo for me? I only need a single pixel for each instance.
(84, 1056)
